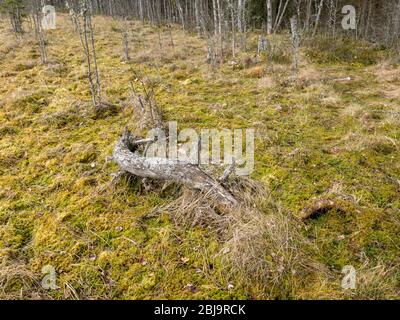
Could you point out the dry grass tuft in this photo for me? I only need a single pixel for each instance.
(18, 282)
(384, 72)
(266, 82)
(261, 243)
(309, 74)
(256, 72)
(358, 142)
(388, 76)
(195, 209)
(376, 282)
(264, 243)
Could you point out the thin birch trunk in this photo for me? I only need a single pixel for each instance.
(318, 17)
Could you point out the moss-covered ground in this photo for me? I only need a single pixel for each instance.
(320, 136)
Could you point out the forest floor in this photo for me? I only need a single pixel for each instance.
(317, 137)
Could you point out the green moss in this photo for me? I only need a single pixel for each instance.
(357, 54)
(57, 205)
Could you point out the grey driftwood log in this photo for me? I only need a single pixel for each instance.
(129, 159)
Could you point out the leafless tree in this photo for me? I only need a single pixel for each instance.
(321, 3)
(281, 13)
(333, 4)
(81, 13)
(14, 9)
(121, 13)
(230, 20)
(36, 14)
(295, 44)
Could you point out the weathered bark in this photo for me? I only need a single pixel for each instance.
(129, 159)
(220, 35)
(215, 17)
(239, 14)
(308, 16)
(125, 38)
(181, 15)
(141, 11)
(197, 17)
(81, 15)
(332, 16)
(233, 29)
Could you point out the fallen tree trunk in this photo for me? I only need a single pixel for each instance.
(129, 159)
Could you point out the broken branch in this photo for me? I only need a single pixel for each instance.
(130, 160)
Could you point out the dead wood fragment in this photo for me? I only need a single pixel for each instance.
(130, 154)
(318, 207)
(129, 159)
